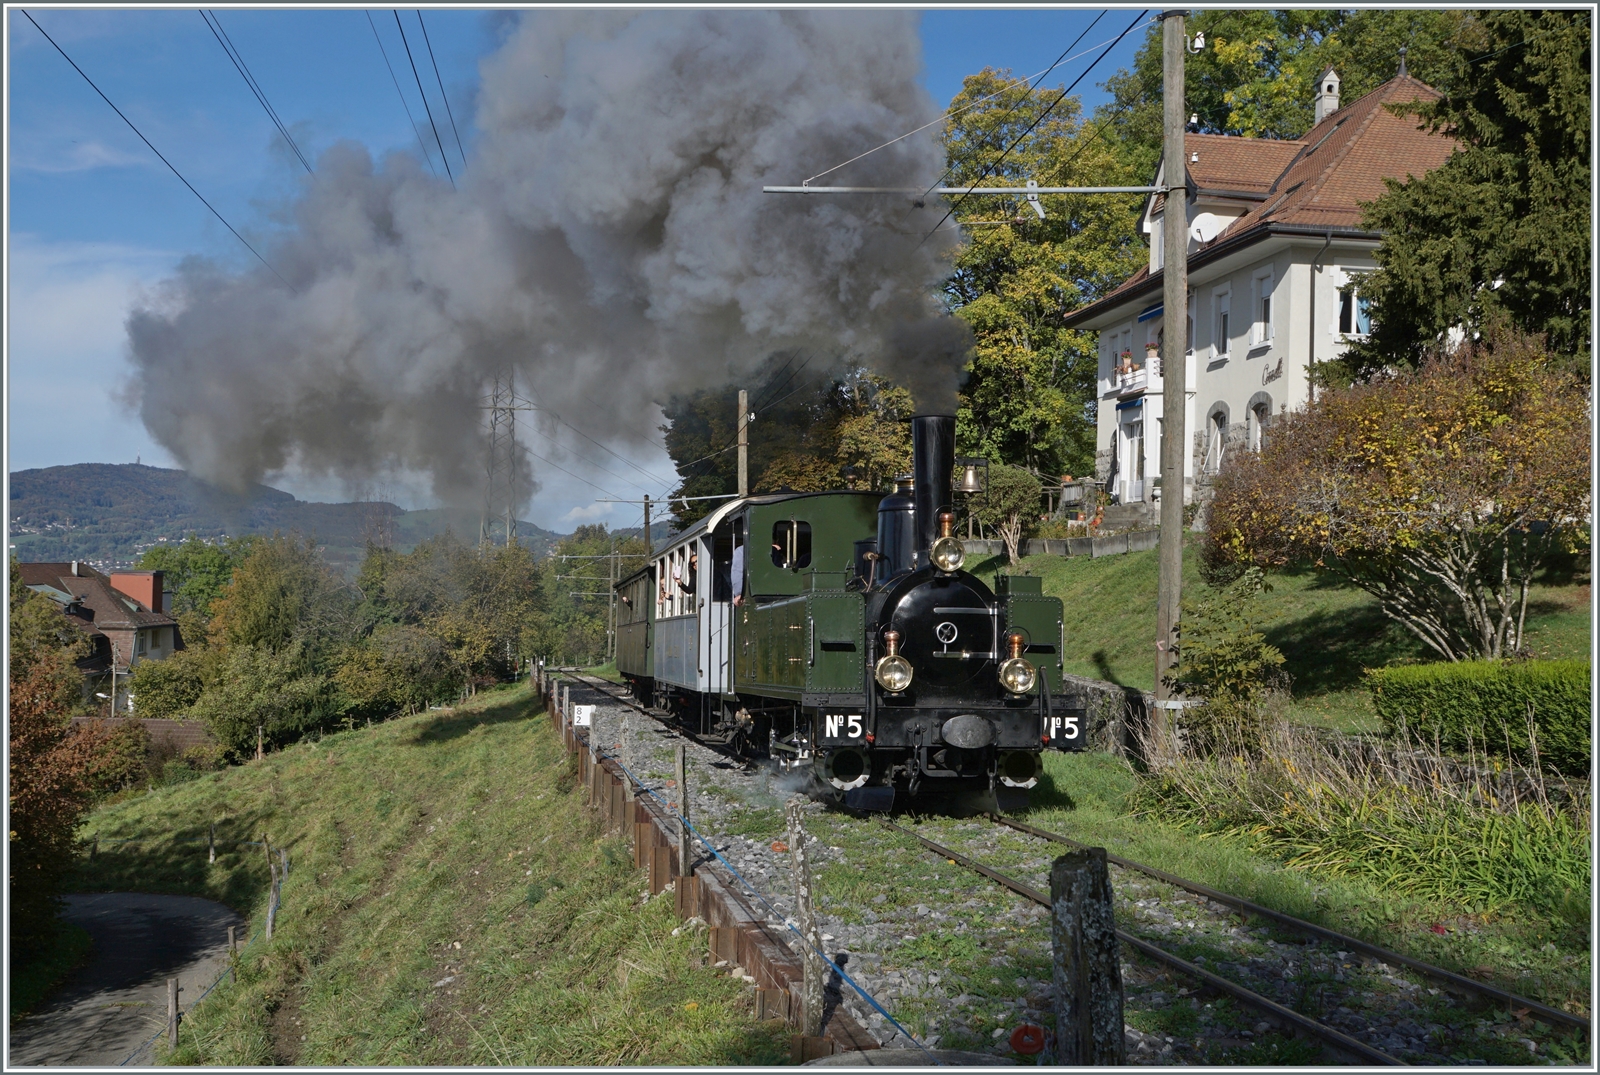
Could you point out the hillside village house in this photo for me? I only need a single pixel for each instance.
(121, 613)
(1275, 241)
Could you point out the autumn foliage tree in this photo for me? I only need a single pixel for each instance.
(1440, 491)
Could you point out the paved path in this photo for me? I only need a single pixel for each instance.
(115, 1003)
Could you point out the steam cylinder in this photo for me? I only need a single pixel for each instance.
(933, 457)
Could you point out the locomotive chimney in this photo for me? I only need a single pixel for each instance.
(933, 457)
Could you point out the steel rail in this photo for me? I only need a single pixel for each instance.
(1328, 1034)
(1513, 1001)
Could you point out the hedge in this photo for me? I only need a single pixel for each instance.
(1487, 704)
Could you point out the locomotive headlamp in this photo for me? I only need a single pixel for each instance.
(1017, 674)
(893, 672)
(947, 553)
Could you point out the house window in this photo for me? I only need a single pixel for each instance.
(143, 643)
(1261, 329)
(1224, 333)
(1353, 319)
(1256, 426)
(1218, 433)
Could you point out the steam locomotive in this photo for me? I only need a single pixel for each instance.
(836, 633)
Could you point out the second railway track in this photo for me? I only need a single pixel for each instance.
(963, 961)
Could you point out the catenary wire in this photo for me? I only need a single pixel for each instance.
(569, 473)
(989, 169)
(523, 401)
(1030, 90)
(953, 112)
(443, 96)
(426, 107)
(157, 152)
(214, 24)
(426, 156)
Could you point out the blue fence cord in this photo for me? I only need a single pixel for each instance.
(757, 894)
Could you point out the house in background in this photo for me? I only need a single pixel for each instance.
(1275, 243)
(123, 614)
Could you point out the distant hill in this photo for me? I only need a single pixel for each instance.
(109, 513)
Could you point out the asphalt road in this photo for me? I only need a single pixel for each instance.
(105, 1014)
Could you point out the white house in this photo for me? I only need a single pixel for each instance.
(1275, 237)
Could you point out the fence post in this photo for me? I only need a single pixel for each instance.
(260, 752)
(172, 1013)
(233, 943)
(272, 899)
(283, 857)
(684, 857)
(811, 959)
(211, 845)
(1087, 963)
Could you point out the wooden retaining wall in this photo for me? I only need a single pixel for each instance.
(738, 932)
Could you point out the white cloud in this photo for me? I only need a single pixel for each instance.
(82, 157)
(64, 351)
(591, 513)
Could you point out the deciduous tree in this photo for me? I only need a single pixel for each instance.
(1440, 492)
(1010, 505)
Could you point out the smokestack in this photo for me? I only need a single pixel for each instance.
(933, 457)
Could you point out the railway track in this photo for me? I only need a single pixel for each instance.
(1341, 1041)
(1325, 955)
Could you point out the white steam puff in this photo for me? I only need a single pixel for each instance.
(610, 243)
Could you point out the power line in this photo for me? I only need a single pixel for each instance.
(1028, 94)
(157, 152)
(442, 94)
(214, 24)
(425, 106)
(569, 473)
(989, 169)
(426, 156)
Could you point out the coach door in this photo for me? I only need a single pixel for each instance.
(716, 619)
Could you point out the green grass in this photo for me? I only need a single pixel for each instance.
(1093, 798)
(1328, 631)
(447, 845)
(33, 982)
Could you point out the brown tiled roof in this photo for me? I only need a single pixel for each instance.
(1323, 179)
(1345, 159)
(105, 606)
(1246, 165)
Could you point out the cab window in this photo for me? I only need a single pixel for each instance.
(791, 544)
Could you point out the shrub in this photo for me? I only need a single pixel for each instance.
(1488, 706)
(1225, 660)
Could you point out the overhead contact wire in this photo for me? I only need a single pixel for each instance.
(157, 152)
(442, 95)
(214, 24)
(425, 106)
(989, 169)
(426, 156)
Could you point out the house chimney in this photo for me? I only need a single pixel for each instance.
(144, 587)
(1327, 94)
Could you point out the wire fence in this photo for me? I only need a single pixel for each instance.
(759, 895)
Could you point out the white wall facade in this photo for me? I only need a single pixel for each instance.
(1238, 378)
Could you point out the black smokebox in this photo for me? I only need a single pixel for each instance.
(933, 457)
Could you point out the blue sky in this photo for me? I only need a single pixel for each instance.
(96, 221)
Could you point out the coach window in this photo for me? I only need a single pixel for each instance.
(791, 544)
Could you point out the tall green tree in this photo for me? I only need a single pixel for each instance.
(1029, 396)
(1501, 231)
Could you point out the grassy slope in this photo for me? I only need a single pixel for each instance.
(1328, 632)
(1089, 797)
(443, 845)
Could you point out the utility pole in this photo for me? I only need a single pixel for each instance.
(649, 546)
(1174, 371)
(612, 590)
(744, 443)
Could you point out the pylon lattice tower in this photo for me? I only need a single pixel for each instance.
(499, 524)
